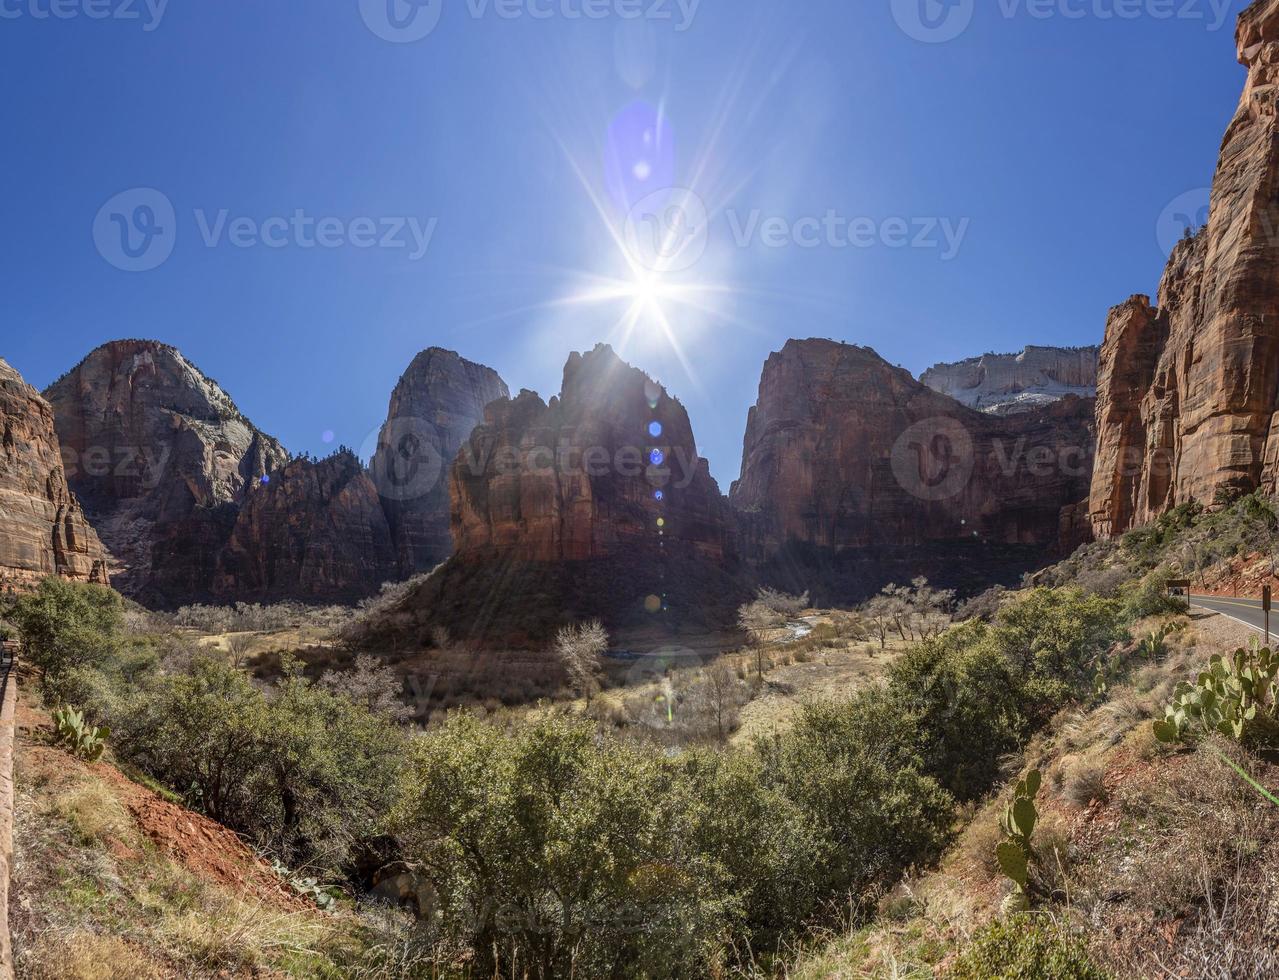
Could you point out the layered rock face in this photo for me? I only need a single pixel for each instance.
(201, 506)
(43, 530)
(595, 504)
(1188, 394)
(844, 452)
(162, 459)
(434, 409)
(1009, 383)
(315, 529)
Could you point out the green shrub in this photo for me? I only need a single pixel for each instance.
(554, 851)
(304, 772)
(861, 788)
(1025, 947)
(65, 626)
(956, 702)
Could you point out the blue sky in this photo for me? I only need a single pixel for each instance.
(831, 149)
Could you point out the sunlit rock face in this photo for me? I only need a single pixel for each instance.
(434, 409)
(1010, 383)
(1189, 389)
(163, 460)
(43, 530)
(594, 504)
(846, 453)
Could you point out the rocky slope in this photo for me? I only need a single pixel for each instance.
(434, 409)
(43, 530)
(1007, 383)
(845, 454)
(162, 459)
(594, 504)
(1189, 389)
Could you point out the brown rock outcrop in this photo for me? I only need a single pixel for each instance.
(1188, 406)
(434, 409)
(595, 504)
(162, 459)
(1008, 383)
(315, 530)
(43, 530)
(845, 453)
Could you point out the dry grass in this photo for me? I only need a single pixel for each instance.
(86, 956)
(94, 813)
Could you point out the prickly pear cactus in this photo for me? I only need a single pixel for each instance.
(1014, 852)
(1237, 697)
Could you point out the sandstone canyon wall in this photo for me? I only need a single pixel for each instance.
(199, 505)
(1008, 383)
(594, 504)
(434, 409)
(1187, 398)
(846, 455)
(162, 459)
(43, 530)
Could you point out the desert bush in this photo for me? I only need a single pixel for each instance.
(558, 850)
(371, 684)
(66, 626)
(1025, 947)
(304, 772)
(848, 767)
(785, 606)
(1085, 783)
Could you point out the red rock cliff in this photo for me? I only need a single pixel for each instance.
(162, 459)
(595, 504)
(434, 409)
(43, 530)
(315, 530)
(1189, 390)
(843, 451)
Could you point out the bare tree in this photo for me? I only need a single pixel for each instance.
(758, 620)
(720, 692)
(372, 684)
(580, 650)
(239, 646)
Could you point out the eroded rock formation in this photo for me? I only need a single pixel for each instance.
(43, 530)
(1008, 383)
(595, 504)
(201, 506)
(1188, 393)
(162, 459)
(434, 409)
(314, 530)
(845, 453)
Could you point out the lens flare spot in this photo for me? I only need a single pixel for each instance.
(655, 429)
(657, 457)
(659, 496)
(653, 604)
